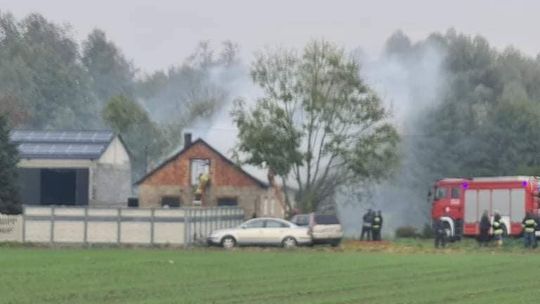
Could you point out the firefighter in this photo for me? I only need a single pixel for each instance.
(529, 227)
(204, 179)
(440, 233)
(198, 190)
(498, 229)
(376, 226)
(366, 226)
(485, 224)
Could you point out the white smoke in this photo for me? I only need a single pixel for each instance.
(219, 130)
(409, 87)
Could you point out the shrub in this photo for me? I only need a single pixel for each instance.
(427, 232)
(406, 232)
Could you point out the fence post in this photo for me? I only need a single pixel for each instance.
(198, 224)
(118, 226)
(208, 214)
(86, 225)
(185, 226)
(24, 224)
(51, 236)
(152, 226)
(188, 226)
(193, 226)
(216, 220)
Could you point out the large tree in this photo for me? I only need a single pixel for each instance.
(111, 73)
(40, 69)
(9, 157)
(143, 138)
(316, 122)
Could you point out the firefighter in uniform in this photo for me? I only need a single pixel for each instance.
(484, 229)
(376, 226)
(498, 230)
(529, 227)
(440, 233)
(366, 226)
(204, 180)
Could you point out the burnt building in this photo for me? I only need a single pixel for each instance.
(174, 182)
(72, 168)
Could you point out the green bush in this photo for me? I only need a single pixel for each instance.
(427, 232)
(406, 232)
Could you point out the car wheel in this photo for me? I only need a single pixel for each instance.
(228, 242)
(289, 242)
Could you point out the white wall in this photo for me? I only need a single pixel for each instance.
(115, 154)
(82, 225)
(111, 178)
(10, 228)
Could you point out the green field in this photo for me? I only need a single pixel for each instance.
(41, 275)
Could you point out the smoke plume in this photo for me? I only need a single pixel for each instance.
(409, 86)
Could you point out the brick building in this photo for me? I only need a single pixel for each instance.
(174, 182)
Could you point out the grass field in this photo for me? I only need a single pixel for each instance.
(351, 274)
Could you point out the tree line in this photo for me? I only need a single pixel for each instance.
(487, 115)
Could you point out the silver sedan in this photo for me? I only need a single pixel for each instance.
(262, 231)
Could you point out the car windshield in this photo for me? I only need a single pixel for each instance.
(301, 219)
(440, 193)
(322, 219)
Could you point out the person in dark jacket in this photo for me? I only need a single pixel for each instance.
(376, 226)
(485, 224)
(366, 225)
(498, 229)
(440, 233)
(529, 227)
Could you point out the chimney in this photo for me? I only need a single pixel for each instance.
(187, 140)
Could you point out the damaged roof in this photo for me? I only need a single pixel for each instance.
(219, 154)
(37, 144)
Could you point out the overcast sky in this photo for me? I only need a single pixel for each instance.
(156, 34)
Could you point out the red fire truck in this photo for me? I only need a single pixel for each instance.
(460, 202)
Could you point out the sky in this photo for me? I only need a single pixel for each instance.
(156, 34)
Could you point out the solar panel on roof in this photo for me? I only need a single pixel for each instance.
(61, 136)
(60, 148)
(61, 144)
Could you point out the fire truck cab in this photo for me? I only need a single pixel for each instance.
(460, 202)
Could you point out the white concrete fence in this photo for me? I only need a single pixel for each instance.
(87, 225)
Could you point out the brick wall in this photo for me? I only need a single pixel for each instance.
(173, 178)
(177, 170)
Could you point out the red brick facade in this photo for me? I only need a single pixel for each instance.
(227, 181)
(177, 171)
